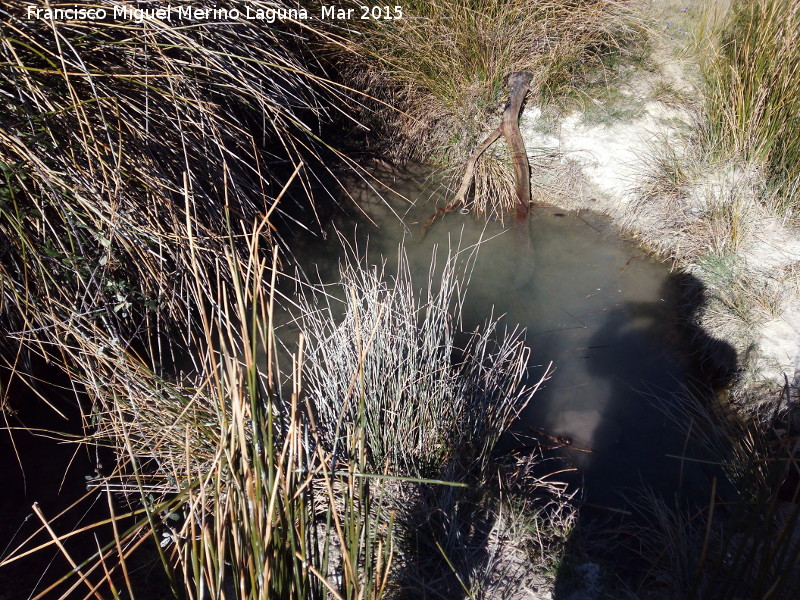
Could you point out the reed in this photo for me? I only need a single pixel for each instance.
(239, 497)
(114, 132)
(752, 79)
(137, 166)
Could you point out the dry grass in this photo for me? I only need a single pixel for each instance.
(221, 467)
(137, 187)
(670, 171)
(444, 63)
(113, 135)
(752, 79)
(730, 211)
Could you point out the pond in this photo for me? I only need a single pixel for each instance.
(607, 317)
(597, 307)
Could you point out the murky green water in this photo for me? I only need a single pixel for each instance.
(594, 305)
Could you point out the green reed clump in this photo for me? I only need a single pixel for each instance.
(224, 470)
(443, 65)
(752, 80)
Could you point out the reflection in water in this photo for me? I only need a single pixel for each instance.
(596, 307)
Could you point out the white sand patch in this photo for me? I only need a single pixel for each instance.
(773, 246)
(614, 156)
(779, 345)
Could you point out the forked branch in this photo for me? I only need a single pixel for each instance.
(518, 84)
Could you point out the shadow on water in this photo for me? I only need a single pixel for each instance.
(620, 330)
(645, 357)
(632, 362)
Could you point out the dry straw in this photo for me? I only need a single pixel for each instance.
(443, 65)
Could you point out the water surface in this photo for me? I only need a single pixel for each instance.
(595, 306)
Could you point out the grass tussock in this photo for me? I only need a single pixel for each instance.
(444, 63)
(752, 78)
(419, 407)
